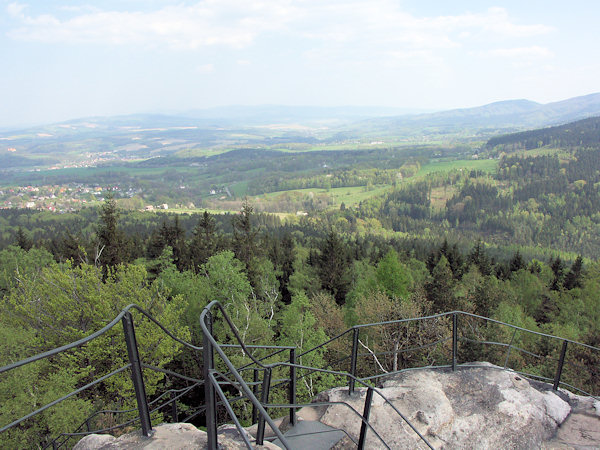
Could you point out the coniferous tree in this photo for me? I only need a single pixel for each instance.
(558, 267)
(244, 238)
(333, 267)
(432, 260)
(176, 240)
(288, 256)
(479, 258)
(156, 244)
(23, 240)
(546, 311)
(516, 263)
(110, 238)
(503, 271)
(455, 260)
(204, 241)
(282, 254)
(440, 290)
(69, 248)
(573, 277)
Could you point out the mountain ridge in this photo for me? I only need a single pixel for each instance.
(518, 114)
(506, 111)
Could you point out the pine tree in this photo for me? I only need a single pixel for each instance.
(69, 248)
(176, 240)
(440, 290)
(516, 263)
(110, 237)
(479, 258)
(204, 242)
(333, 267)
(23, 240)
(156, 244)
(282, 254)
(573, 277)
(558, 267)
(244, 238)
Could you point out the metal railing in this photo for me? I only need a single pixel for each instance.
(453, 341)
(136, 367)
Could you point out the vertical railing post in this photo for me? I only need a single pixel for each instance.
(136, 374)
(264, 399)
(210, 398)
(366, 413)
(512, 340)
(353, 360)
(454, 340)
(174, 412)
(561, 361)
(293, 386)
(255, 392)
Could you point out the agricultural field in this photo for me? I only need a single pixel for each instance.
(446, 165)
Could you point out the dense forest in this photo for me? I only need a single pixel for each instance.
(583, 133)
(292, 285)
(518, 243)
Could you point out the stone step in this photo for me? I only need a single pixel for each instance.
(313, 435)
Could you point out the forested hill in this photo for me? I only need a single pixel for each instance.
(583, 133)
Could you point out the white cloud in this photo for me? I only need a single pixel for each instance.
(334, 26)
(233, 23)
(15, 10)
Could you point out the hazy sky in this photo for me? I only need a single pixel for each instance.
(67, 59)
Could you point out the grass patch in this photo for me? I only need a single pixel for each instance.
(350, 196)
(545, 151)
(239, 189)
(198, 152)
(444, 165)
(440, 195)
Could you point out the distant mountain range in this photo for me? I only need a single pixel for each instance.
(139, 136)
(509, 114)
(253, 115)
(504, 115)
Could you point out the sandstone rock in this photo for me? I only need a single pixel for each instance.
(95, 442)
(482, 407)
(174, 436)
(181, 436)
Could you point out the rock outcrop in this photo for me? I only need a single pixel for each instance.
(168, 436)
(479, 407)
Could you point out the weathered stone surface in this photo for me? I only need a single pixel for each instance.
(483, 407)
(182, 436)
(175, 436)
(471, 408)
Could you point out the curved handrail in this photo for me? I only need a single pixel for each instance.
(232, 370)
(232, 327)
(515, 327)
(446, 314)
(235, 372)
(80, 343)
(75, 433)
(215, 345)
(249, 393)
(93, 336)
(297, 405)
(71, 394)
(356, 379)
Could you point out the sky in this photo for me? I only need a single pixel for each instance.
(62, 60)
